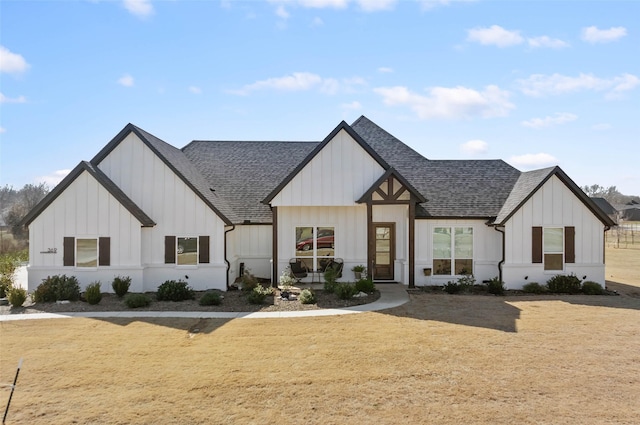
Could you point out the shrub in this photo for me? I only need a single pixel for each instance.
(345, 291)
(562, 284)
(57, 288)
(452, 287)
(9, 262)
(6, 283)
(467, 281)
(495, 286)
(330, 277)
(365, 285)
(121, 285)
(592, 288)
(307, 296)
(92, 293)
(137, 300)
(249, 281)
(534, 288)
(17, 296)
(286, 280)
(211, 298)
(256, 296)
(174, 290)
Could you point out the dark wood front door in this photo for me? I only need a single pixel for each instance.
(384, 251)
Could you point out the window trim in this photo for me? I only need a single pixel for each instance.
(452, 259)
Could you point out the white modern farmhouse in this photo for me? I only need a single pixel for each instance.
(145, 209)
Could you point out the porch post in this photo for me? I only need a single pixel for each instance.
(370, 240)
(274, 247)
(412, 243)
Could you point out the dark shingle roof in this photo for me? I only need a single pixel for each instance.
(453, 188)
(605, 206)
(105, 181)
(244, 173)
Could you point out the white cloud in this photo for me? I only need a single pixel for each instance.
(385, 70)
(126, 80)
(302, 81)
(474, 147)
(12, 63)
(494, 35)
(601, 126)
(450, 103)
(544, 41)
(195, 90)
(376, 5)
(548, 121)
(281, 12)
(355, 105)
(19, 99)
(538, 85)
(533, 160)
(594, 35)
(54, 178)
(140, 8)
(430, 4)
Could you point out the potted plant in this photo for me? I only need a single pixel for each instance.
(358, 271)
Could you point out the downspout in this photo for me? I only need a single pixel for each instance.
(233, 227)
(501, 262)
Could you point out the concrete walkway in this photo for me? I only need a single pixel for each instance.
(391, 295)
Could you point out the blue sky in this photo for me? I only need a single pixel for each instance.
(534, 83)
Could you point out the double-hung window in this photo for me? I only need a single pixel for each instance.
(186, 250)
(315, 246)
(86, 252)
(553, 246)
(452, 251)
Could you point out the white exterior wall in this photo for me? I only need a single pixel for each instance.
(487, 250)
(251, 245)
(554, 205)
(337, 176)
(176, 209)
(84, 210)
(350, 237)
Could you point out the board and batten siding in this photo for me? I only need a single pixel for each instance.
(251, 245)
(84, 210)
(350, 233)
(487, 250)
(176, 209)
(553, 205)
(338, 175)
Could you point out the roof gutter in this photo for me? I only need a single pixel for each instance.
(233, 227)
(501, 262)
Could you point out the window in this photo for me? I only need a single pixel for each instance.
(186, 251)
(452, 250)
(315, 246)
(553, 246)
(86, 252)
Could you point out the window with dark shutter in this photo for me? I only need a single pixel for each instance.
(169, 249)
(203, 256)
(69, 248)
(104, 251)
(569, 244)
(536, 244)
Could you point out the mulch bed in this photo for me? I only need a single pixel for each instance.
(234, 301)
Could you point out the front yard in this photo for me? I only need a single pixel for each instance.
(445, 359)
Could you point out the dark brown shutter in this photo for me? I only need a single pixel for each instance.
(569, 244)
(536, 244)
(104, 250)
(203, 256)
(169, 249)
(69, 254)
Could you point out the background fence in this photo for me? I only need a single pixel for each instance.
(625, 235)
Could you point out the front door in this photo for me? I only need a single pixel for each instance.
(385, 251)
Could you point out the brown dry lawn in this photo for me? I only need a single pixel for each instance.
(439, 359)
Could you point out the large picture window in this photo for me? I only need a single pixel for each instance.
(87, 252)
(452, 251)
(315, 246)
(186, 250)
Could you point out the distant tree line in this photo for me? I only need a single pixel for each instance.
(16, 203)
(610, 193)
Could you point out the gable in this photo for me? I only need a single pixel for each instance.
(337, 173)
